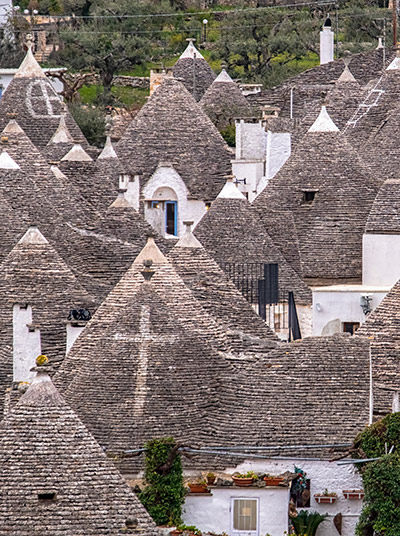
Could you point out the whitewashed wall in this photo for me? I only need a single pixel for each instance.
(211, 513)
(341, 303)
(381, 259)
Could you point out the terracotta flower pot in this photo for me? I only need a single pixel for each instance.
(242, 482)
(353, 494)
(198, 488)
(273, 480)
(176, 532)
(325, 499)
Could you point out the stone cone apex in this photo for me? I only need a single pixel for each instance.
(33, 236)
(230, 191)
(12, 128)
(223, 77)
(395, 64)
(62, 134)
(121, 202)
(42, 390)
(323, 123)
(6, 162)
(346, 75)
(151, 252)
(108, 150)
(77, 154)
(188, 240)
(191, 52)
(29, 68)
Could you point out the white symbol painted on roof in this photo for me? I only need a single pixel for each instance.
(39, 98)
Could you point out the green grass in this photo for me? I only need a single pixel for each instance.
(130, 98)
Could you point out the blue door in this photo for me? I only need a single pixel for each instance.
(171, 217)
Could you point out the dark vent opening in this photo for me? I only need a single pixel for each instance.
(308, 197)
(131, 522)
(49, 496)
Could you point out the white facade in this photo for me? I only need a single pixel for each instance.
(259, 156)
(6, 75)
(166, 186)
(26, 343)
(338, 304)
(326, 43)
(381, 259)
(211, 513)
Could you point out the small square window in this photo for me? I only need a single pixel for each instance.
(154, 204)
(47, 497)
(245, 515)
(350, 327)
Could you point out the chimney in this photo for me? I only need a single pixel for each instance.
(26, 343)
(326, 42)
(74, 329)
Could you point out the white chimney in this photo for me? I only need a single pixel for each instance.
(326, 43)
(26, 343)
(74, 329)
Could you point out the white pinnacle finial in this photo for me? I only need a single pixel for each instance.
(323, 123)
(62, 134)
(223, 77)
(29, 68)
(108, 150)
(191, 52)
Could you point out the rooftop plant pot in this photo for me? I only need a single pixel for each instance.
(273, 480)
(242, 482)
(176, 532)
(325, 499)
(211, 480)
(198, 488)
(353, 494)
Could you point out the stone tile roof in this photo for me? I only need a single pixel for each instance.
(171, 127)
(194, 72)
(382, 328)
(330, 227)
(150, 342)
(300, 387)
(45, 448)
(312, 85)
(36, 188)
(231, 231)
(224, 102)
(384, 216)
(32, 101)
(217, 294)
(95, 182)
(34, 273)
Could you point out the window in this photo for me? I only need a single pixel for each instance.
(350, 327)
(47, 497)
(308, 197)
(245, 515)
(154, 204)
(171, 217)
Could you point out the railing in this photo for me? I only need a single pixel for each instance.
(246, 278)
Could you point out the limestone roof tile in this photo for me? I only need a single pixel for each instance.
(45, 449)
(171, 127)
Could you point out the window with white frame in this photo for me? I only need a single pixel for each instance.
(245, 515)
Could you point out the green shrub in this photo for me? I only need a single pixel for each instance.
(92, 123)
(164, 494)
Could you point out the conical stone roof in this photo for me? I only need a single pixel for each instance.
(330, 192)
(171, 127)
(32, 101)
(155, 341)
(384, 217)
(55, 478)
(224, 102)
(194, 72)
(33, 273)
(232, 233)
(218, 295)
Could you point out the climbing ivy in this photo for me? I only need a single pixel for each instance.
(164, 493)
(381, 478)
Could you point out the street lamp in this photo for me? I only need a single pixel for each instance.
(205, 22)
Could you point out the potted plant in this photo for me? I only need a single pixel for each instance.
(200, 486)
(244, 479)
(211, 478)
(176, 532)
(307, 523)
(271, 480)
(353, 494)
(327, 497)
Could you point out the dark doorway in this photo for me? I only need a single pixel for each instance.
(171, 217)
